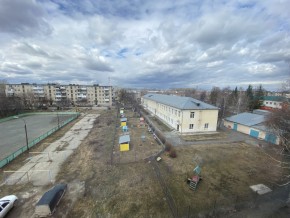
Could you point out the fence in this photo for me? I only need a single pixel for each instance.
(12, 156)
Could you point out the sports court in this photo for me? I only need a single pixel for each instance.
(12, 132)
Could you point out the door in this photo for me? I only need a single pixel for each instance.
(254, 133)
(271, 138)
(235, 126)
(177, 128)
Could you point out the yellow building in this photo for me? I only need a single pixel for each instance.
(123, 121)
(184, 114)
(124, 141)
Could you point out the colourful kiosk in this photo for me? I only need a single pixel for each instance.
(124, 141)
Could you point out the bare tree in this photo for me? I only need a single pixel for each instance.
(190, 92)
(215, 95)
(279, 122)
(202, 96)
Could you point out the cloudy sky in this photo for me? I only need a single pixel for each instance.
(146, 44)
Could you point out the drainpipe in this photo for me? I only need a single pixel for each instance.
(181, 122)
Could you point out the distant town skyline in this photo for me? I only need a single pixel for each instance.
(146, 44)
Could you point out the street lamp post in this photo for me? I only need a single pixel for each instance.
(57, 120)
(26, 137)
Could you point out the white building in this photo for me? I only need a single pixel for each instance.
(273, 102)
(184, 114)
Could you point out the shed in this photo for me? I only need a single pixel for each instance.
(48, 202)
(124, 141)
(125, 128)
(252, 124)
(123, 121)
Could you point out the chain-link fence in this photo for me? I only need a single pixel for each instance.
(12, 156)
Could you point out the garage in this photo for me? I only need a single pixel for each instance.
(254, 133)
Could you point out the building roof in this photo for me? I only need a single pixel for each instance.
(261, 112)
(184, 103)
(247, 119)
(274, 98)
(124, 119)
(124, 139)
(51, 196)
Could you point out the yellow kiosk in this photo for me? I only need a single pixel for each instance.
(124, 141)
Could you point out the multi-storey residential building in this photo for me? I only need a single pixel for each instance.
(57, 93)
(184, 114)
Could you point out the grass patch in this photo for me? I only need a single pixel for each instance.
(205, 136)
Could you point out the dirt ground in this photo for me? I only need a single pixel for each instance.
(101, 185)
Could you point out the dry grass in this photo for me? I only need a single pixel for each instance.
(107, 186)
(227, 170)
(201, 137)
(99, 189)
(139, 150)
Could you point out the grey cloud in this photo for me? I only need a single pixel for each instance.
(34, 65)
(14, 68)
(32, 50)
(274, 56)
(23, 17)
(97, 65)
(36, 50)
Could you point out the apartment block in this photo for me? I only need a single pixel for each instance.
(58, 94)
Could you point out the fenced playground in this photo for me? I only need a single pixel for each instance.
(21, 132)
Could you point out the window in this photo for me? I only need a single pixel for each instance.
(206, 125)
(191, 114)
(179, 113)
(191, 126)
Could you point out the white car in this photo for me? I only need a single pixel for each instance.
(6, 204)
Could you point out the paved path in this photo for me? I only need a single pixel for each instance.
(54, 155)
(231, 137)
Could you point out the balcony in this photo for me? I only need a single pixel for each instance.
(10, 91)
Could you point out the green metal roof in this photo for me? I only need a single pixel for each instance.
(274, 98)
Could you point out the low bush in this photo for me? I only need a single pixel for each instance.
(172, 153)
(168, 146)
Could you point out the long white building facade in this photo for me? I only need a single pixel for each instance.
(57, 93)
(184, 114)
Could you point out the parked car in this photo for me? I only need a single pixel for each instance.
(6, 204)
(48, 202)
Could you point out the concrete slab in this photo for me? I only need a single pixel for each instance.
(260, 189)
